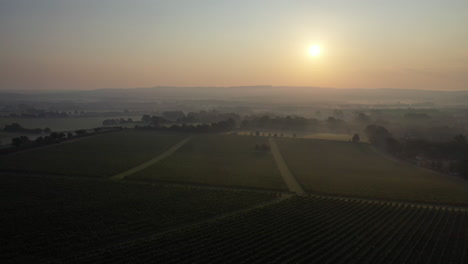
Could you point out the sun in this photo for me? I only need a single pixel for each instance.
(314, 50)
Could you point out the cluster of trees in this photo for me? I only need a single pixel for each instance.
(38, 113)
(417, 116)
(208, 117)
(445, 156)
(55, 137)
(278, 123)
(382, 138)
(217, 127)
(117, 121)
(17, 128)
(295, 123)
(154, 120)
(356, 138)
(180, 117)
(258, 133)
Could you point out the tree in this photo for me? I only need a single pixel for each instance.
(20, 141)
(80, 132)
(173, 115)
(377, 134)
(356, 138)
(361, 117)
(146, 118)
(157, 120)
(16, 142)
(462, 167)
(338, 113)
(380, 137)
(13, 127)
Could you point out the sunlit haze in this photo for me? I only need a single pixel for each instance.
(314, 50)
(88, 44)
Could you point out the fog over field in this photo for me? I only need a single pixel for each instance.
(246, 131)
(255, 164)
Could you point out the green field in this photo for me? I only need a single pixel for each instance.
(49, 217)
(218, 160)
(357, 169)
(97, 156)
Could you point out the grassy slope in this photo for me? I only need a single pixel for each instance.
(218, 160)
(97, 156)
(356, 169)
(45, 217)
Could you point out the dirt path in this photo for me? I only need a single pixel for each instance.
(152, 161)
(288, 177)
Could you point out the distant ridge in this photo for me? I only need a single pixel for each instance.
(267, 92)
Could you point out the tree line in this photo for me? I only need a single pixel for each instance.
(24, 142)
(17, 128)
(117, 121)
(444, 156)
(216, 127)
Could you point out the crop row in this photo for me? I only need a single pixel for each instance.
(47, 218)
(309, 230)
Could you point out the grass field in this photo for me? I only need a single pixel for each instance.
(48, 217)
(218, 160)
(356, 169)
(96, 156)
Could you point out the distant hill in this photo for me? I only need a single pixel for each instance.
(246, 93)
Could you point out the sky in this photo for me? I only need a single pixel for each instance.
(89, 44)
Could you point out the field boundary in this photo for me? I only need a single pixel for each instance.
(288, 177)
(207, 186)
(152, 161)
(144, 182)
(417, 204)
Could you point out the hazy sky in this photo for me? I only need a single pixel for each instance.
(88, 44)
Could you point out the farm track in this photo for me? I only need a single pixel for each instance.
(152, 161)
(288, 177)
